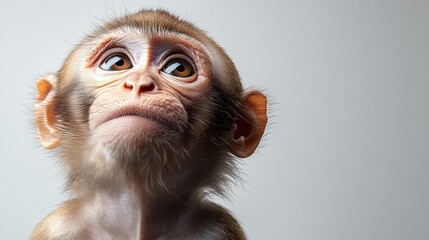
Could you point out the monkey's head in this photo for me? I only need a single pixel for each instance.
(148, 91)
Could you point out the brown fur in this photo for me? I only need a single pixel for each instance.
(168, 179)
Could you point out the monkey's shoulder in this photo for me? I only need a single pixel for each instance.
(86, 219)
(208, 221)
(59, 224)
(219, 222)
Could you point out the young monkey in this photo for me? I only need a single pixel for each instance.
(147, 113)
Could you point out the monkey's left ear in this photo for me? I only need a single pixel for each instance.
(251, 125)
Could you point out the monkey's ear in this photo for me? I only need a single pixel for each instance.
(251, 125)
(44, 112)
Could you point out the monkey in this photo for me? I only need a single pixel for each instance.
(147, 116)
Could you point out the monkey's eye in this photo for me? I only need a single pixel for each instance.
(116, 62)
(179, 68)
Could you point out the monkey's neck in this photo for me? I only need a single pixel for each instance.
(123, 206)
(178, 188)
(129, 203)
(134, 205)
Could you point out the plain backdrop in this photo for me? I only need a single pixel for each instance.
(347, 150)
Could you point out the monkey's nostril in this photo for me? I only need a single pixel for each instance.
(147, 88)
(127, 85)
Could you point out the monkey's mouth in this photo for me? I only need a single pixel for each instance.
(154, 116)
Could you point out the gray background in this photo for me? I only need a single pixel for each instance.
(347, 153)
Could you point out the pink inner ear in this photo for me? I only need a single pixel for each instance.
(43, 88)
(243, 128)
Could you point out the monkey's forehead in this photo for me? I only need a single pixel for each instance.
(133, 37)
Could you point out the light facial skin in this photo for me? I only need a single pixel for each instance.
(146, 115)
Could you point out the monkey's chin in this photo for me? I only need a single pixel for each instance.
(132, 130)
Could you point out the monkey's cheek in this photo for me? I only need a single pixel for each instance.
(126, 131)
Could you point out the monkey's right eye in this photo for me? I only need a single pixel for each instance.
(116, 62)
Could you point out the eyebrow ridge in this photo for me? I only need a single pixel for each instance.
(100, 49)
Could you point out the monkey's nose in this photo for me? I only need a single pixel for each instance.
(139, 83)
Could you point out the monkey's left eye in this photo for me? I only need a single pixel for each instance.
(179, 68)
(116, 62)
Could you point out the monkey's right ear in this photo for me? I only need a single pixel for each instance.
(44, 112)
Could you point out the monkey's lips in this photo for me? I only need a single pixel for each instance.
(135, 118)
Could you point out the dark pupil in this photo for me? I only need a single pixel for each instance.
(120, 63)
(180, 68)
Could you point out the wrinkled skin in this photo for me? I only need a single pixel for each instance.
(146, 115)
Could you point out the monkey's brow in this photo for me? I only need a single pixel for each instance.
(96, 52)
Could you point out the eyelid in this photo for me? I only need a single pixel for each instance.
(181, 56)
(180, 80)
(110, 51)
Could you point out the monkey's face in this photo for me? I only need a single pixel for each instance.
(131, 97)
(143, 86)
